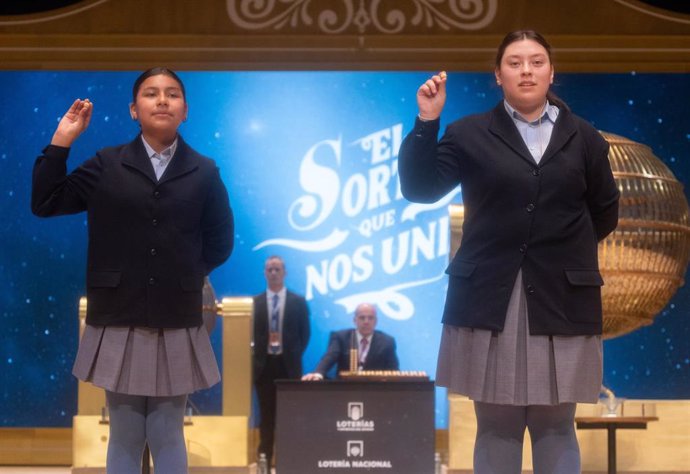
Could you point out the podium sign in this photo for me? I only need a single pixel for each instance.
(348, 426)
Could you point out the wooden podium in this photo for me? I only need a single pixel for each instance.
(355, 426)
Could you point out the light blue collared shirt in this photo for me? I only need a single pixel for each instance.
(159, 161)
(536, 134)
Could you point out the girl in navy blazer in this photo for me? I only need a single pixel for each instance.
(523, 317)
(159, 221)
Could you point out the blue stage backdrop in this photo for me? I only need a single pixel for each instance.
(310, 160)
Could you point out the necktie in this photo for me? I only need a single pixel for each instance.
(274, 338)
(363, 344)
(275, 314)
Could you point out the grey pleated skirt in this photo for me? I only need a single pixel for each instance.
(146, 361)
(513, 367)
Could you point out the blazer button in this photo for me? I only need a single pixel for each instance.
(156, 194)
(535, 172)
(154, 222)
(523, 248)
(152, 281)
(530, 289)
(530, 207)
(153, 252)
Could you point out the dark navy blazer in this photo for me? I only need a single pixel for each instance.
(296, 332)
(150, 242)
(381, 356)
(545, 218)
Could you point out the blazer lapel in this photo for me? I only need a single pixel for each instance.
(183, 161)
(503, 127)
(135, 156)
(373, 350)
(563, 131)
(289, 299)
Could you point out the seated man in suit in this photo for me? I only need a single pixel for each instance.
(376, 349)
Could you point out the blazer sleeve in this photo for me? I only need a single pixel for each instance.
(217, 225)
(330, 358)
(602, 193)
(428, 168)
(392, 356)
(304, 325)
(53, 191)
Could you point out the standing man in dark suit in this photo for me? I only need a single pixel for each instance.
(376, 349)
(281, 334)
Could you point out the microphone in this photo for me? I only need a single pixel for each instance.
(354, 355)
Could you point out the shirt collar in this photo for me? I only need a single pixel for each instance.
(164, 155)
(280, 293)
(549, 112)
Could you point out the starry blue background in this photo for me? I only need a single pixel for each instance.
(253, 124)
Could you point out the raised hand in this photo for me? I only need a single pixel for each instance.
(431, 96)
(73, 123)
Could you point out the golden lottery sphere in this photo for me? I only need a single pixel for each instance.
(644, 260)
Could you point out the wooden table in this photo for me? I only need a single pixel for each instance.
(611, 424)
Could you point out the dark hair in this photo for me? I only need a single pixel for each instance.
(155, 71)
(520, 35)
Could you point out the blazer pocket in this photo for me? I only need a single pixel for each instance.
(104, 279)
(461, 268)
(584, 277)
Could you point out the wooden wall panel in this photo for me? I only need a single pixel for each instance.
(36, 446)
(588, 35)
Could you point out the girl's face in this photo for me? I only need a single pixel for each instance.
(160, 106)
(525, 74)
